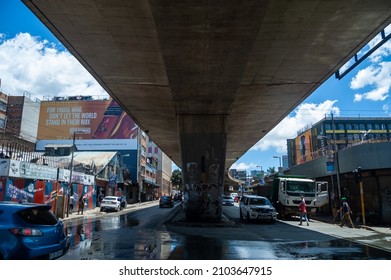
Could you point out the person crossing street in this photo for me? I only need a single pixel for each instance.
(345, 208)
(303, 211)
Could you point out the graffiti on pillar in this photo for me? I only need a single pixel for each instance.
(192, 173)
(209, 200)
(214, 174)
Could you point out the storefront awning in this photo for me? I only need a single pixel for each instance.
(150, 184)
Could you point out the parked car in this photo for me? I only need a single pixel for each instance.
(111, 203)
(30, 231)
(253, 207)
(228, 200)
(166, 201)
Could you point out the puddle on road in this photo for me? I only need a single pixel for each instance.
(99, 239)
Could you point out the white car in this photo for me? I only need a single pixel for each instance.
(111, 203)
(253, 207)
(228, 200)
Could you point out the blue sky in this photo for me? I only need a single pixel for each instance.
(32, 60)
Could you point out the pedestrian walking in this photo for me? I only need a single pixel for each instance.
(100, 198)
(71, 203)
(346, 211)
(81, 203)
(303, 211)
(336, 207)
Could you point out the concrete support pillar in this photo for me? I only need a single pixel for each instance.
(203, 149)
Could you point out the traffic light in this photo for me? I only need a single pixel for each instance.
(357, 174)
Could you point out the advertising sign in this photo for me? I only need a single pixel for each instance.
(89, 121)
(303, 147)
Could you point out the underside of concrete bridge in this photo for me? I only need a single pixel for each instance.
(209, 79)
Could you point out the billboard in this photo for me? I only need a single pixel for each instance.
(90, 121)
(303, 147)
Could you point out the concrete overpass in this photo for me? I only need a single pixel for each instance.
(207, 79)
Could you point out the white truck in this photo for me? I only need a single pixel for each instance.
(286, 192)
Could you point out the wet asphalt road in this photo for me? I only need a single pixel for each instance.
(143, 234)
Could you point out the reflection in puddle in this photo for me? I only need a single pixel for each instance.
(101, 239)
(336, 249)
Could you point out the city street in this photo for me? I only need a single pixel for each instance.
(150, 232)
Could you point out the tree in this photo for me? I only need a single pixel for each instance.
(176, 179)
(271, 170)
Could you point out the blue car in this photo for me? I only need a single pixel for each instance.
(30, 231)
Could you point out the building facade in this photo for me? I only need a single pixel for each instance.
(332, 149)
(32, 128)
(336, 133)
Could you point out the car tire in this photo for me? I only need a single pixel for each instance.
(248, 217)
(240, 214)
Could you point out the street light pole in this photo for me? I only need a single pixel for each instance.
(336, 159)
(70, 173)
(279, 160)
(71, 168)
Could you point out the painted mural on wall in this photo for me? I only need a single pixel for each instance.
(40, 191)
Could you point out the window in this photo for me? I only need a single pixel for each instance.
(348, 126)
(362, 126)
(355, 126)
(327, 126)
(156, 150)
(340, 126)
(340, 136)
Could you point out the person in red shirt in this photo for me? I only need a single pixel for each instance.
(303, 211)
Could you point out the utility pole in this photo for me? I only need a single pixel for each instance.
(336, 160)
(71, 168)
(70, 173)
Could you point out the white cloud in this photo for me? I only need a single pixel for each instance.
(243, 166)
(374, 80)
(29, 64)
(305, 115)
(358, 97)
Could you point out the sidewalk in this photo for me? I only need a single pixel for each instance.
(95, 212)
(386, 229)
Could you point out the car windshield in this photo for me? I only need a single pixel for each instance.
(110, 198)
(227, 197)
(259, 201)
(166, 197)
